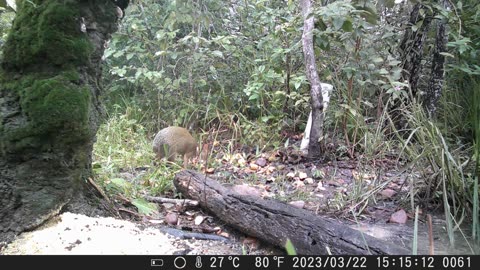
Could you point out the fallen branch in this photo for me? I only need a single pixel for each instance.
(275, 222)
(186, 202)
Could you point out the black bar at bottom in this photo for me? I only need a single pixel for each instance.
(231, 262)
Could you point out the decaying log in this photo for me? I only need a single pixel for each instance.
(273, 221)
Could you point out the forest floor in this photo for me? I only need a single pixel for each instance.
(376, 191)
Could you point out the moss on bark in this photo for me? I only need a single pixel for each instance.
(47, 32)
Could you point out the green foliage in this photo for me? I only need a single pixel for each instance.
(190, 57)
(124, 146)
(144, 207)
(56, 39)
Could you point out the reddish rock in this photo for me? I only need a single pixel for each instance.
(171, 218)
(399, 217)
(388, 193)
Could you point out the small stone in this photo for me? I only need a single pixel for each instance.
(399, 217)
(388, 193)
(298, 184)
(297, 204)
(171, 218)
(261, 162)
(198, 220)
(291, 175)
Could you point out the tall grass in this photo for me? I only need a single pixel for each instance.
(442, 166)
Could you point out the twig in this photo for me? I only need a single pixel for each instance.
(169, 200)
(430, 234)
(100, 190)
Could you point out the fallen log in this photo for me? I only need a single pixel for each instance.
(274, 222)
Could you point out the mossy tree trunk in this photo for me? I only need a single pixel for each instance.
(50, 108)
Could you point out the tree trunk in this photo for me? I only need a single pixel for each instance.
(411, 54)
(411, 47)
(316, 132)
(435, 86)
(50, 108)
(274, 222)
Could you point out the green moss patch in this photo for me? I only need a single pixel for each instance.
(56, 109)
(47, 32)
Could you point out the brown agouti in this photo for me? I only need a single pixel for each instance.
(171, 141)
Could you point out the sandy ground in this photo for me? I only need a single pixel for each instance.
(78, 234)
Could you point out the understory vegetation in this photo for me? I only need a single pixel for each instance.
(233, 73)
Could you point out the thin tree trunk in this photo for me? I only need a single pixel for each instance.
(316, 132)
(50, 108)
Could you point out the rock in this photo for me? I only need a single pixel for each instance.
(308, 180)
(198, 220)
(298, 204)
(247, 190)
(261, 162)
(171, 218)
(302, 175)
(399, 217)
(388, 193)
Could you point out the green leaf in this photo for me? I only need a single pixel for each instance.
(254, 96)
(338, 22)
(121, 183)
(320, 25)
(118, 54)
(218, 54)
(347, 26)
(297, 85)
(290, 248)
(144, 207)
(383, 71)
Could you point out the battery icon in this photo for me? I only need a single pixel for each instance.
(156, 262)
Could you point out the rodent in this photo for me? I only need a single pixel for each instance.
(171, 141)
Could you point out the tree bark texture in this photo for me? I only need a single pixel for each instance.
(316, 132)
(275, 222)
(411, 54)
(50, 108)
(411, 47)
(435, 86)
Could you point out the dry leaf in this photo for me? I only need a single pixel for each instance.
(253, 166)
